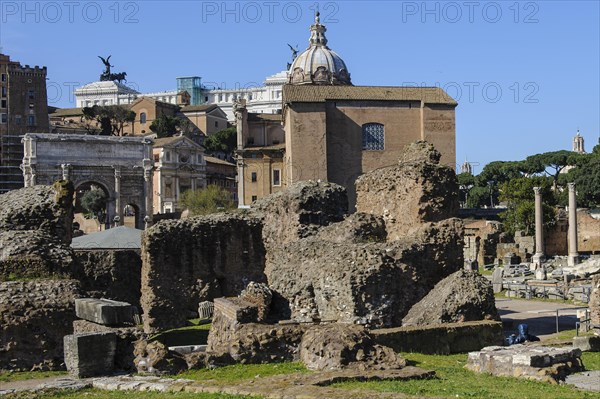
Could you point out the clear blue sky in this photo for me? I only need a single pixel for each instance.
(525, 74)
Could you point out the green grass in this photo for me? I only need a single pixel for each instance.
(190, 335)
(591, 360)
(99, 394)
(28, 375)
(454, 381)
(240, 372)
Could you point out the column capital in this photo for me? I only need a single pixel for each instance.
(117, 171)
(571, 186)
(537, 190)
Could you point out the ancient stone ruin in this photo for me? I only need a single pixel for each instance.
(35, 233)
(294, 278)
(369, 268)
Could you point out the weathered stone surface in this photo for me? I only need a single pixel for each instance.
(587, 344)
(530, 362)
(497, 280)
(126, 338)
(234, 339)
(189, 261)
(338, 346)
(35, 230)
(34, 317)
(33, 254)
(110, 274)
(369, 283)
(104, 311)
(90, 354)
(48, 209)
(356, 228)
(155, 358)
(300, 211)
(260, 295)
(416, 191)
(594, 303)
(441, 339)
(462, 296)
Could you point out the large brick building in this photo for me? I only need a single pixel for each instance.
(23, 109)
(334, 131)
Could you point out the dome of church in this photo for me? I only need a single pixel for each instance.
(318, 64)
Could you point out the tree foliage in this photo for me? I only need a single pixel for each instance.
(550, 163)
(112, 119)
(586, 176)
(498, 172)
(211, 199)
(94, 202)
(165, 126)
(520, 200)
(223, 141)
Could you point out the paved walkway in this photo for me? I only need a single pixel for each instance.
(289, 386)
(539, 316)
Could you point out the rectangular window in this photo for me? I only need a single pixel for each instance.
(373, 137)
(4, 77)
(253, 176)
(3, 118)
(30, 120)
(31, 94)
(167, 155)
(276, 177)
(254, 198)
(4, 91)
(156, 158)
(216, 124)
(3, 103)
(18, 120)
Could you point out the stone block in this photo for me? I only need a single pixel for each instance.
(236, 309)
(91, 354)
(104, 311)
(532, 362)
(587, 344)
(448, 337)
(497, 279)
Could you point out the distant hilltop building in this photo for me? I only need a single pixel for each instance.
(23, 109)
(190, 92)
(466, 167)
(578, 144)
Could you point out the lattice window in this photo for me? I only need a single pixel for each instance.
(373, 137)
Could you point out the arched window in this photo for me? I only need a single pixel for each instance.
(143, 117)
(373, 137)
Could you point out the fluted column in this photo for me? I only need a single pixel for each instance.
(118, 207)
(573, 258)
(539, 256)
(148, 205)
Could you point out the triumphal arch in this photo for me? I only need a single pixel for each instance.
(120, 166)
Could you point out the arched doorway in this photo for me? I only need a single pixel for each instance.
(132, 217)
(91, 206)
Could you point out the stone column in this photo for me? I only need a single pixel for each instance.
(240, 181)
(148, 218)
(573, 258)
(118, 207)
(539, 257)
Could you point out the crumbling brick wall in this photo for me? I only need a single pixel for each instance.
(111, 274)
(34, 317)
(188, 261)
